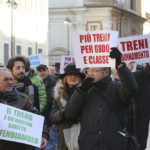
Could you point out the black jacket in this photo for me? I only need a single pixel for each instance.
(49, 85)
(23, 102)
(142, 105)
(29, 89)
(102, 109)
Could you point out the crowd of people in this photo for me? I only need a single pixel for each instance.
(110, 105)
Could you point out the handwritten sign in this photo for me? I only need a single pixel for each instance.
(64, 61)
(91, 49)
(20, 126)
(35, 60)
(135, 49)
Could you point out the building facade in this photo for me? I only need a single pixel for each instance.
(88, 15)
(146, 14)
(23, 28)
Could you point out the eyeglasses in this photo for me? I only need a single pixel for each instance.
(7, 79)
(95, 70)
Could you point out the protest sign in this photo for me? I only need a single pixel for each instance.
(64, 61)
(91, 49)
(135, 49)
(35, 60)
(20, 126)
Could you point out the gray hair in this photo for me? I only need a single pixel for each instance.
(3, 69)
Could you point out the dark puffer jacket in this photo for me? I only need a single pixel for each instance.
(102, 109)
(49, 85)
(24, 103)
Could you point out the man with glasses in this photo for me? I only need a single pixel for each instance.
(9, 96)
(101, 104)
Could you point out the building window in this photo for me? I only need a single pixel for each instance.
(18, 51)
(94, 25)
(6, 53)
(133, 32)
(115, 22)
(29, 51)
(133, 5)
(39, 50)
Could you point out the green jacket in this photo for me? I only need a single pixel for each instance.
(37, 81)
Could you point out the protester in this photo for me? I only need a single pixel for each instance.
(52, 72)
(42, 71)
(62, 92)
(16, 66)
(37, 81)
(10, 96)
(101, 103)
(142, 105)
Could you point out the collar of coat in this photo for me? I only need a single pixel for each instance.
(103, 85)
(60, 94)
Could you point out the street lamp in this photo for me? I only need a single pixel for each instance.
(68, 23)
(13, 5)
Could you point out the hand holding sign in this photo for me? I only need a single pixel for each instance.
(86, 84)
(43, 144)
(115, 53)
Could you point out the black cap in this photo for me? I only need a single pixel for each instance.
(41, 66)
(71, 69)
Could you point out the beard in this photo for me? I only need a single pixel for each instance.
(19, 77)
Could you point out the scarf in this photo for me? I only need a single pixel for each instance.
(9, 96)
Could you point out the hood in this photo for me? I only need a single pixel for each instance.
(32, 72)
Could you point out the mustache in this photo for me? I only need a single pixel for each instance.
(21, 73)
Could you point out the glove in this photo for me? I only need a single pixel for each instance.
(115, 53)
(86, 84)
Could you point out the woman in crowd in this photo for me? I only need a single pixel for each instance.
(62, 92)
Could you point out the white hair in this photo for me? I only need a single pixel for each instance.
(3, 69)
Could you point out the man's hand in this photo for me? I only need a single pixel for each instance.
(115, 53)
(43, 144)
(86, 84)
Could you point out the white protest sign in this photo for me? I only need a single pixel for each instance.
(35, 60)
(64, 61)
(91, 49)
(135, 49)
(20, 126)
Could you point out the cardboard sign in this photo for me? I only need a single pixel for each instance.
(135, 49)
(64, 61)
(91, 49)
(20, 126)
(35, 60)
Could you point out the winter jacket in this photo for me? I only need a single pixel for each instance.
(24, 103)
(103, 112)
(49, 85)
(36, 80)
(142, 106)
(29, 89)
(61, 96)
